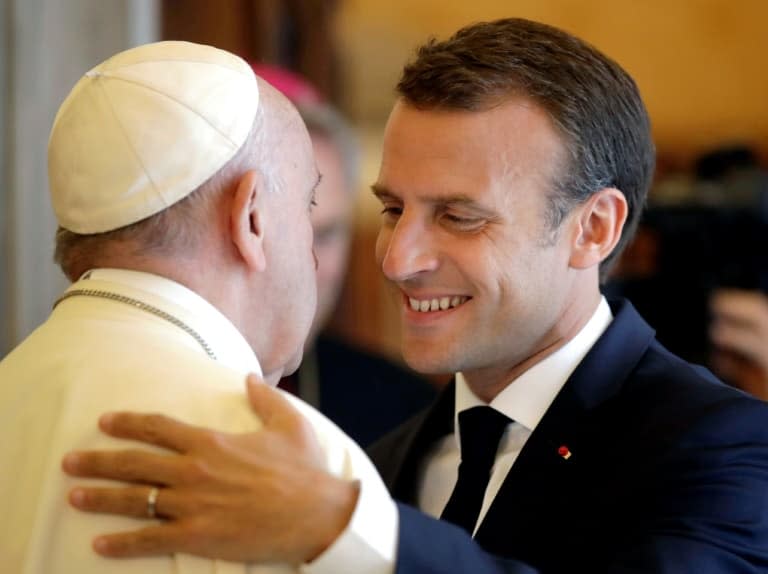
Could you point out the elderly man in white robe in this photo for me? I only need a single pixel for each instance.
(182, 184)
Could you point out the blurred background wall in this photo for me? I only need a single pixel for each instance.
(699, 64)
(46, 46)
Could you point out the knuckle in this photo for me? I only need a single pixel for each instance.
(146, 541)
(195, 470)
(153, 426)
(123, 466)
(195, 534)
(212, 440)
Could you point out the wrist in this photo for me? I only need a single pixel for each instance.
(338, 501)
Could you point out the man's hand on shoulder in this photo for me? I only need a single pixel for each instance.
(220, 495)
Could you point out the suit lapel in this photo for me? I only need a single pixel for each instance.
(547, 474)
(400, 458)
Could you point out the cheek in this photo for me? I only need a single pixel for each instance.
(497, 272)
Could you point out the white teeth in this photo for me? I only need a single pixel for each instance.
(441, 304)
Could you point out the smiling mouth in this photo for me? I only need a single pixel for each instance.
(436, 304)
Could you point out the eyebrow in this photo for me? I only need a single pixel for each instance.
(453, 199)
(381, 192)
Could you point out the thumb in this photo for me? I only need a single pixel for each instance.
(252, 384)
(279, 415)
(274, 410)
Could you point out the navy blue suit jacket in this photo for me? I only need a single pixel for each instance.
(364, 393)
(668, 473)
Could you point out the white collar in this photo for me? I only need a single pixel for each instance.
(227, 343)
(529, 397)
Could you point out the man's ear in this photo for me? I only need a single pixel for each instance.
(599, 223)
(246, 219)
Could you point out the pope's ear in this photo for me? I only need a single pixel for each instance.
(600, 221)
(246, 219)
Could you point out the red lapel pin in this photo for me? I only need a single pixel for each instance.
(564, 451)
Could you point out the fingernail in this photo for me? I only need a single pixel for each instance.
(105, 421)
(77, 497)
(101, 546)
(69, 463)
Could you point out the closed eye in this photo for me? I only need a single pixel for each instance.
(462, 223)
(392, 210)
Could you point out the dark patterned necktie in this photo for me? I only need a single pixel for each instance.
(480, 429)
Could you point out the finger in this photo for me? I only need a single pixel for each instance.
(155, 540)
(741, 306)
(278, 414)
(272, 407)
(129, 501)
(726, 364)
(154, 429)
(252, 384)
(738, 339)
(741, 373)
(126, 465)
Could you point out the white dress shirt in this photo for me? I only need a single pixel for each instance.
(94, 355)
(524, 401)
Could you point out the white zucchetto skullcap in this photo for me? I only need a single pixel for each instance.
(144, 129)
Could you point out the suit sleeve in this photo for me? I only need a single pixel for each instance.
(430, 546)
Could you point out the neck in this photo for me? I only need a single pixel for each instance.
(487, 383)
(217, 285)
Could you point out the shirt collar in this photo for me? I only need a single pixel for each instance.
(227, 343)
(529, 397)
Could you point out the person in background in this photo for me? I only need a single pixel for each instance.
(339, 378)
(739, 334)
(183, 186)
(698, 268)
(738, 326)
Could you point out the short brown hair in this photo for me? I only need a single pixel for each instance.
(592, 101)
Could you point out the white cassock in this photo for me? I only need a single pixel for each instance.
(97, 354)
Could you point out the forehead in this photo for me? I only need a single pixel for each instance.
(456, 151)
(293, 152)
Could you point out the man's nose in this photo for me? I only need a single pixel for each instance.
(408, 250)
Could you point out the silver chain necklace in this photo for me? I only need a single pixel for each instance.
(144, 307)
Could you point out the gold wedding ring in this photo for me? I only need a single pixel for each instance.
(152, 502)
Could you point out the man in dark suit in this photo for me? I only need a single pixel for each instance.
(643, 463)
(515, 166)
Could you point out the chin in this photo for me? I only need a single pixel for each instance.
(274, 372)
(431, 363)
(293, 364)
(272, 378)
